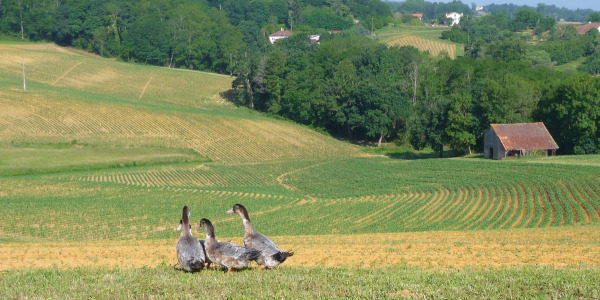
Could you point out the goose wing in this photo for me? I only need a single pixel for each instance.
(263, 244)
(235, 251)
(190, 247)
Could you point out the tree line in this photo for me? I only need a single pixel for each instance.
(194, 34)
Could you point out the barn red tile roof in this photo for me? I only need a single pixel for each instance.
(524, 136)
(582, 29)
(282, 32)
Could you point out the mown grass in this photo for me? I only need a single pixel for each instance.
(302, 283)
(428, 32)
(63, 157)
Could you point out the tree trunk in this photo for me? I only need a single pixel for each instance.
(349, 131)
(379, 142)
(415, 77)
(24, 81)
(22, 36)
(249, 92)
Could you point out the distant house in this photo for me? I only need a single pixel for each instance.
(418, 16)
(314, 38)
(455, 17)
(479, 10)
(509, 140)
(583, 29)
(282, 34)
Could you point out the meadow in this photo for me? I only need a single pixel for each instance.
(98, 157)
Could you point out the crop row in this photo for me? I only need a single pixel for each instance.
(74, 210)
(423, 44)
(510, 205)
(224, 139)
(528, 205)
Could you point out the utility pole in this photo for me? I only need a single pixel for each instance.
(24, 82)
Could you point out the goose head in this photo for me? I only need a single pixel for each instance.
(185, 215)
(180, 227)
(240, 210)
(206, 224)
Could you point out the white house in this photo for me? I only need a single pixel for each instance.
(455, 17)
(282, 34)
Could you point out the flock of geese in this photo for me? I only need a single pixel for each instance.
(194, 255)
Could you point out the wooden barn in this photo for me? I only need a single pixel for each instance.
(510, 140)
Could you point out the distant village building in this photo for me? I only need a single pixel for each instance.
(418, 16)
(282, 34)
(479, 10)
(583, 29)
(314, 39)
(455, 17)
(510, 140)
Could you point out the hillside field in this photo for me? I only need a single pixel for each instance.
(98, 157)
(424, 38)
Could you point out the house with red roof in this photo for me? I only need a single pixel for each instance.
(583, 29)
(281, 34)
(510, 140)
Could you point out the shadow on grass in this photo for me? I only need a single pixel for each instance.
(412, 155)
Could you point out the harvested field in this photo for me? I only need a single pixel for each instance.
(562, 247)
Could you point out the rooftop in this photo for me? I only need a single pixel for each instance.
(524, 136)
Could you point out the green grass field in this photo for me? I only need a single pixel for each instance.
(97, 151)
(302, 283)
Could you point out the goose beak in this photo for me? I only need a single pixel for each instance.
(230, 211)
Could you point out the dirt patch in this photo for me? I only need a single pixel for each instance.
(563, 247)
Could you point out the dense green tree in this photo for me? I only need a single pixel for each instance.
(507, 50)
(322, 18)
(274, 79)
(461, 123)
(591, 65)
(428, 125)
(258, 12)
(594, 17)
(571, 111)
(68, 22)
(147, 41)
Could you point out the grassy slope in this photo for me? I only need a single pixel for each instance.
(68, 145)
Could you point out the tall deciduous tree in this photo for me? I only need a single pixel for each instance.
(461, 123)
(571, 111)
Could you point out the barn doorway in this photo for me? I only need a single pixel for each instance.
(491, 153)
